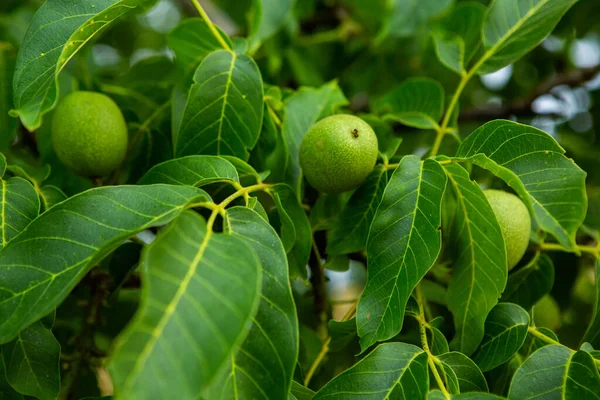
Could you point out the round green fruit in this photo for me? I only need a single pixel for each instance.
(546, 313)
(515, 223)
(89, 134)
(338, 153)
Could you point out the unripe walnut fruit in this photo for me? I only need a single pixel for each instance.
(338, 153)
(89, 134)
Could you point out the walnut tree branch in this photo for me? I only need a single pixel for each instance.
(523, 107)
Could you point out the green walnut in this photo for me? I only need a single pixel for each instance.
(515, 223)
(89, 134)
(546, 313)
(338, 153)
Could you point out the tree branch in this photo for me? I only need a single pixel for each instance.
(523, 107)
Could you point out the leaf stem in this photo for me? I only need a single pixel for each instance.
(210, 24)
(593, 250)
(464, 79)
(533, 331)
(431, 359)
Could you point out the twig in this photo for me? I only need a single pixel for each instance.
(523, 107)
(317, 280)
(85, 346)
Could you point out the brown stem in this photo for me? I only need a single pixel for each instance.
(85, 346)
(523, 107)
(319, 292)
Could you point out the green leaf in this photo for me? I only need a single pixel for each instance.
(407, 16)
(451, 51)
(437, 395)
(6, 391)
(246, 172)
(392, 370)
(470, 377)
(302, 110)
(556, 372)
(339, 263)
(505, 331)
(51, 196)
(449, 378)
(36, 176)
(200, 290)
(342, 333)
(264, 365)
(592, 335)
(325, 212)
(533, 164)
(513, 28)
(192, 41)
(77, 234)
(350, 232)
(437, 341)
(417, 102)
(58, 31)
(269, 16)
(479, 263)
(20, 206)
(300, 392)
(191, 171)
(529, 284)
(295, 229)
(32, 362)
(224, 110)
(404, 242)
(465, 21)
(387, 140)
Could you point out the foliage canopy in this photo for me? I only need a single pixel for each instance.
(202, 263)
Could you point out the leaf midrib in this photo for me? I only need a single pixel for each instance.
(472, 251)
(225, 102)
(494, 48)
(402, 263)
(169, 311)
